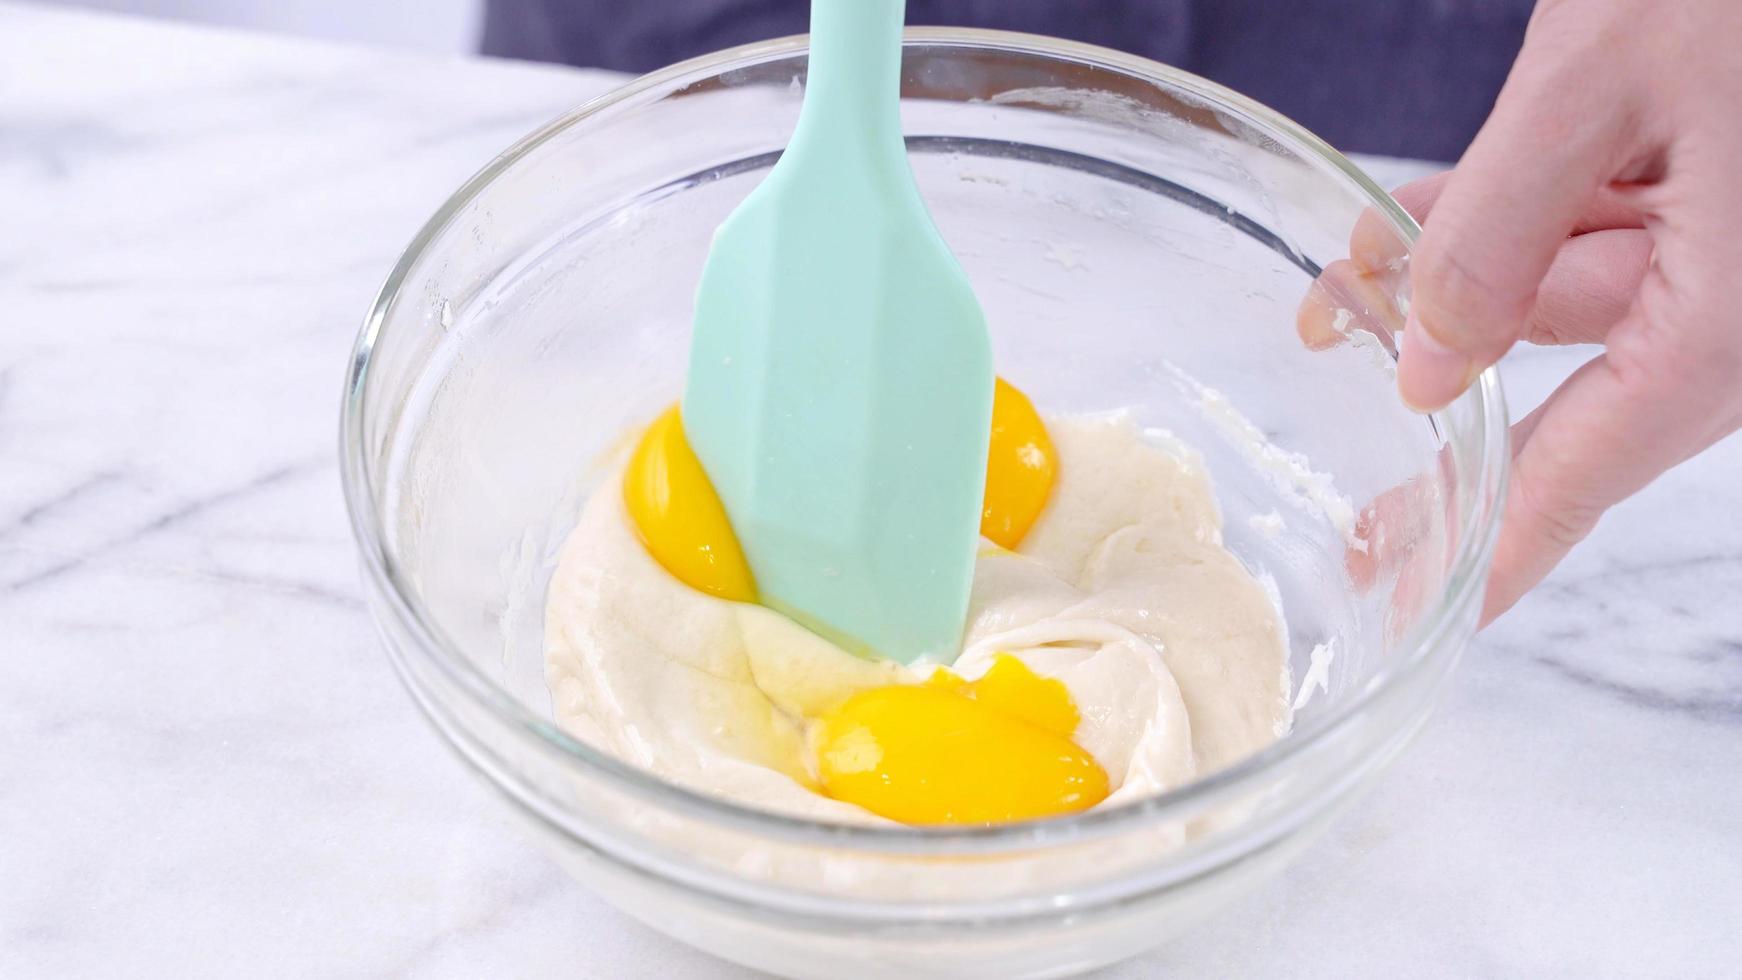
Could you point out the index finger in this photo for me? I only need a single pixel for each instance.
(1554, 138)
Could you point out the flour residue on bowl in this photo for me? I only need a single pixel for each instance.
(1290, 473)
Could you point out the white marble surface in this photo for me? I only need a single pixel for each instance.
(207, 768)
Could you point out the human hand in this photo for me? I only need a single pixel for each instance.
(1600, 203)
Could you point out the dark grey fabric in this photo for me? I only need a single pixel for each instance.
(1405, 77)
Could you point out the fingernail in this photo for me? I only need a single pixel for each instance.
(1430, 374)
(1315, 318)
(1371, 260)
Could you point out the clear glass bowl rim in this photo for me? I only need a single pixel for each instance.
(1430, 636)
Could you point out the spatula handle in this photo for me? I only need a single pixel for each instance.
(852, 100)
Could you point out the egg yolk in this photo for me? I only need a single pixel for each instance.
(679, 517)
(1019, 468)
(952, 751)
(684, 526)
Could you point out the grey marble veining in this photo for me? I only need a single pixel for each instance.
(207, 768)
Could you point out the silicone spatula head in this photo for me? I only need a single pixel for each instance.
(840, 377)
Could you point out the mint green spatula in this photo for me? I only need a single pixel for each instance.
(840, 376)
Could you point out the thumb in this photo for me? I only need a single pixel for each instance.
(1553, 140)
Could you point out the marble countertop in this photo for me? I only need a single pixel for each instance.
(207, 767)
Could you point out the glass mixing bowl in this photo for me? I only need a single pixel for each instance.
(1140, 239)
